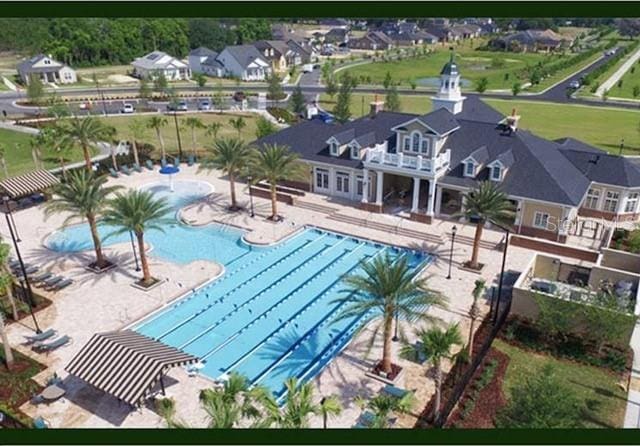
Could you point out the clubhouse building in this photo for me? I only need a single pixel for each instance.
(419, 166)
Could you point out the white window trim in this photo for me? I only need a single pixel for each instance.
(334, 149)
(320, 171)
(415, 134)
(608, 198)
(542, 218)
(341, 177)
(496, 168)
(466, 167)
(354, 151)
(595, 195)
(631, 200)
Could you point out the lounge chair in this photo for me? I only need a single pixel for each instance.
(29, 269)
(149, 164)
(176, 161)
(40, 277)
(52, 281)
(137, 168)
(394, 391)
(14, 263)
(40, 337)
(125, 170)
(47, 347)
(113, 172)
(191, 160)
(366, 420)
(60, 285)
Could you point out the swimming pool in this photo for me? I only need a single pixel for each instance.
(273, 314)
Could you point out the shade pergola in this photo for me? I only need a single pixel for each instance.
(125, 364)
(28, 183)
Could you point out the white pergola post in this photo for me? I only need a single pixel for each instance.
(416, 194)
(365, 185)
(432, 198)
(379, 180)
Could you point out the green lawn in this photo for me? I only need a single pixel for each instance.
(597, 388)
(629, 80)
(409, 104)
(562, 74)
(601, 127)
(473, 65)
(121, 124)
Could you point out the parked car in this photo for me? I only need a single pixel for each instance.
(85, 106)
(239, 96)
(177, 106)
(204, 105)
(127, 108)
(574, 85)
(182, 106)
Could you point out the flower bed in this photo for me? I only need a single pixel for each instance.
(16, 385)
(624, 240)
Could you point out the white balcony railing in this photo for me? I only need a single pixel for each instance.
(409, 162)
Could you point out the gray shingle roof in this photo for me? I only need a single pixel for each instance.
(202, 51)
(442, 121)
(506, 158)
(27, 66)
(245, 54)
(480, 155)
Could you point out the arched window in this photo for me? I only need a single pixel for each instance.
(415, 142)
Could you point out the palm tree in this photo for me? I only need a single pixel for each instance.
(84, 133)
(137, 131)
(227, 406)
(166, 408)
(156, 123)
(389, 287)
(275, 163)
(298, 407)
(213, 129)
(238, 124)
(83, 196)
(231, 156)
(486, 203)
(383, 405)
(474, 312)
(6, 280)
(3, 161)
(436, 346)
(138, 211)
(8, 354)
(194, 123)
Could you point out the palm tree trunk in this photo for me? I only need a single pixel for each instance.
(161, 142)
(87, 156)
(274, 202)
(146, 275)
(4, 168)
(135, 152)
(386, 348)
(232, 186)
(97, 244)
(9, 290)
(35, 158)
(63, 167)
(436, 408)
(113, 159)
(476, 245)
(471, 335)
(8, 354)
(193, 140)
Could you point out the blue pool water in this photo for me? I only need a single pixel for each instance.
(273, 314)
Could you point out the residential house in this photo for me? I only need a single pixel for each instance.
(413, 39)
(337, 36)
(419, 166)
(531, 40)
(303, 52)
(151, 65)
(442, 33)
(335, 23)
(373, 40)
(205, 61)
(467, 31)
(244, 62)
(47, 69)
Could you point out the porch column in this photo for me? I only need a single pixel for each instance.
(379, 180)
(438, 200)
(432, 197)
(416, 194)
(365, 186)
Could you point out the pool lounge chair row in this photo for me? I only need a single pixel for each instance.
(124, 169)
(41, 342)
(44, 279)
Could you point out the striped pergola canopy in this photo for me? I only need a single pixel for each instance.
(28, 183)
(125, 364)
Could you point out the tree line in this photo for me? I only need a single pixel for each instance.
(84, 42)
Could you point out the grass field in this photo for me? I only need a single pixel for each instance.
(410, 104)
(562, 74)
(601, 127)
(598, 389)
(473, 65)
(121, 124)
(629, 80)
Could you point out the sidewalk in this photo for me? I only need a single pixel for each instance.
(615, 77)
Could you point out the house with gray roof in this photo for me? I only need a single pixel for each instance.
(244, 62)
(47, 69)
(205, 61)
(420, 166)
(151, 65)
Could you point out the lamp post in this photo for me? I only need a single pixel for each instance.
(395, 334)
(25, 279)
(621, 146)
(251, 213)
(324, 412)
(504, 260)
(175, 118)
(453, 240)
(133, 248)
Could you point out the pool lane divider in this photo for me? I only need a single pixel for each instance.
(264, 290)
(295, 315)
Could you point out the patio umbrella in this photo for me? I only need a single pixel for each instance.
(170, 170)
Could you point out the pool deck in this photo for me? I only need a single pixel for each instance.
(98, 303)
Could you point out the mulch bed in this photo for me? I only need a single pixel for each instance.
(487, 401)
(16, 385)
(23, 311)
(395, 371)
(147, 285)
(451, 379)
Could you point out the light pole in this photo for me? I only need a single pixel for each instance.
(25, 278)
(251, 213)
(504, 260)
(175, 118)
(621, 146)
(133, 248)
(324, 412)
(453, 240)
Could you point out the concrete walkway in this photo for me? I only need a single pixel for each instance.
(632, 414)
(615, 77)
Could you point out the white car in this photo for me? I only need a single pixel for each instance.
(204, 105)
(127, 108)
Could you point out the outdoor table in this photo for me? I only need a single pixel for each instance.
(53, 392)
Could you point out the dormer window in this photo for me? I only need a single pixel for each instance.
(355, 152)
(469, 169)
(333, 148)
(496, 173)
